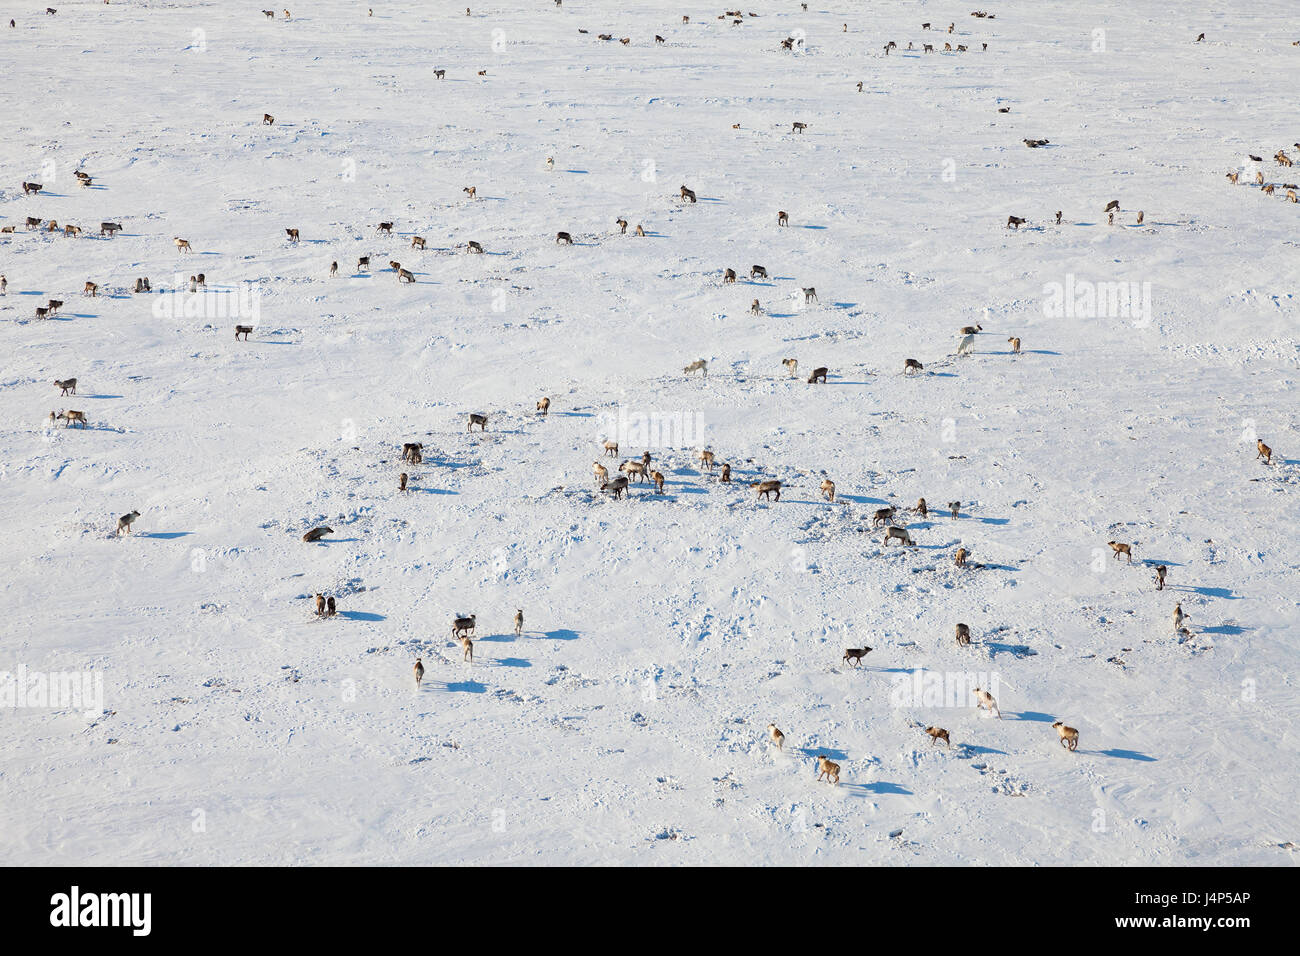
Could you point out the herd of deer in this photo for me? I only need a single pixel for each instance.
(463, 627)
(1266, 187)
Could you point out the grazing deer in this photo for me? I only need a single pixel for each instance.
(419, 672)
(1233, 177)
(659, 39)
(1015, 222)
(791, 366)
(688, 195)
(474, 247)
(729, 276)
(71, 416)
(1281, 157)
(440, 74)
(1264, 452)
(71, 231)
(658, 478)
(544, 406)
(776, 736)
(895, 533)
(755, 308)
(725, 477)
(468, 646)
(818, 375)
(797, 127)
(124, 523)
(984, 700)
(564, 237)
(33, 222)
(182, 245)
(921, 509)
(268, 119)
(66, 386)
(293, 234)
(395, 266)
(634, 468)
(854, 655)
(363, 264)
(618, 486)
(927, 48)
(959, 558)
(963, 635)
(330, 608)
(405, 275)
(243, 330)
(1069, 736)
(470, 191)
(937, 734)
(90, 288)
(411, 450)
(417, 242)
(385, 227)
(478, 419)
(315, 534)
(54, 305)
(611, 449)
(828, 769)
(783, 218)
(912, 365)
(757, 272)
(401, 481)
(699, 365)
(827, 488)
(882, 516)
(142, 284)
(1120, 548)
(1179, 616)
(765, 489)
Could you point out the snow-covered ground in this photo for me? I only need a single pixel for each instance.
(663, 633)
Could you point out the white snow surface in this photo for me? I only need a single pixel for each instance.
(663, 633)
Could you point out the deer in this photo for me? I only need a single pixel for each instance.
(90, 288)
(776, 736)
(827, 489)
(882, 516)
(463, 626)
(611, 448)
(984, 700)
(818, 375)
(791, 367)
(544, 406)
(912, 365)
(1015, 344)
(385, 227)
(729, 276)
(809, 295)
(699, 365)
(417, 242)
(783, 218)
(293, 234)
(109, 229)
(1121, 548)
(634, 468)
(959, 558)
(182, 245)
(688, 195)
(622, 226)
(828, 769)
(1068, 735)
(475, 418)
(706, 459)
(797, 127)
(895, 533)
(600, 472)
(854, 655)
(68, 385)
(564, 237)
(474, 248)
(124, 523)
(937, 734)
(1264, 452)
(315, 534)
(618, 486)
(243, 330)
(765, 489)
(757, 272)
